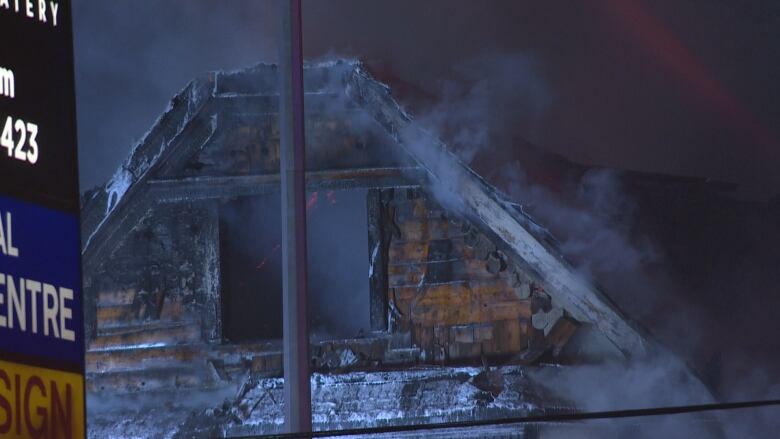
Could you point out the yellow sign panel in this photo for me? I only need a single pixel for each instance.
(40, 403)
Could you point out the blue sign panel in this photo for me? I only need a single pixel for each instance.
(40, 285)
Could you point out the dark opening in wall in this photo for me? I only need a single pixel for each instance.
(251, 266)
(338, 264)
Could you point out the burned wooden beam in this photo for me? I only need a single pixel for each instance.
(145, 196)
(129, 206)
(378, 245)
(196, 188)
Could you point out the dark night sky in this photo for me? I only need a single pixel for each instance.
(686, 88)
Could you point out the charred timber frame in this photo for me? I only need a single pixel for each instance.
(188, 189)
(152, 192)
(378, 247)
(155, 191)
(191, 124)
(481, 203)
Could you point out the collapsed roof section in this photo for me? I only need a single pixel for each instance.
(174, 162)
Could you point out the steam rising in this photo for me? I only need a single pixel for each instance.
(486, 100)
(592, 217)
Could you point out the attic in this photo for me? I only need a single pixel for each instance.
(421, 261)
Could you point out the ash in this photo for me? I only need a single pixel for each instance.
(253, 406)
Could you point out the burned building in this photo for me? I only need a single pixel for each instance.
(421, 271)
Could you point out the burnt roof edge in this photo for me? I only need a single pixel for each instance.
(457, 186)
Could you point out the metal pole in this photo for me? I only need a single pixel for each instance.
(297, 388)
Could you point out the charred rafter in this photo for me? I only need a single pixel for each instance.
(199, 188)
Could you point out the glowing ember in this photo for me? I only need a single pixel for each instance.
(310, 203)
(262, 263)
(331, 196)
(312, 200)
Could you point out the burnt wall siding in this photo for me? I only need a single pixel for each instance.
(161, 282)
(454, 290)
(247, 143)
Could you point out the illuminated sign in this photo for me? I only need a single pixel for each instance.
(38, 402)
(40, 285)
(41, 317)
(37, 111)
